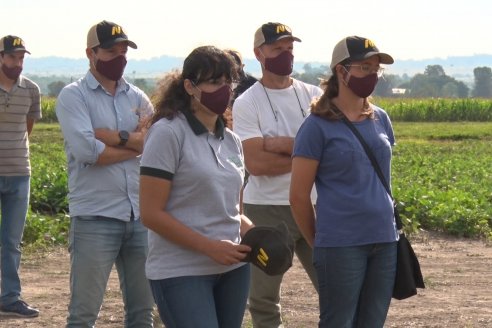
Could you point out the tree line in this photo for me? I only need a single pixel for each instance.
(432, 83)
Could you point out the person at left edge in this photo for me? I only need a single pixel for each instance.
(19, 109)
(101, 119)
(191, 175)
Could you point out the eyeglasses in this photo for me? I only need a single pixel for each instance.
(368, 69)
(232, 83)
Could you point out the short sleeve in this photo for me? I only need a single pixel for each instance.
(162, 148)
(309, 139)
(246, 121)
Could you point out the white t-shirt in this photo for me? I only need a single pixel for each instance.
(254, 117)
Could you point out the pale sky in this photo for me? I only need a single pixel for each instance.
(412, 29)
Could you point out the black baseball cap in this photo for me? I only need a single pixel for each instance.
(12, 43)
(357, 48)
(270, 32)
(272, 248)
(105, 34)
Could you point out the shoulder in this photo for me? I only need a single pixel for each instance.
(380, 113)
(71, 90)
(28, 83)
(249, 97)
(169, 127)
(313, 90)
(315, 120)
(134, 89)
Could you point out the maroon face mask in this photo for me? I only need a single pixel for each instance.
(218, 100)
(12, 73)
(280, 65)
(363, 86)
(112, 69)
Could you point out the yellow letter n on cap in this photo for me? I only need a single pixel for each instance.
(116, 30)
(369, 44)
(17, 42)
(281, 29)
(262, 257)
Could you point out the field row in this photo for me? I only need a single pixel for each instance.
(442, 179)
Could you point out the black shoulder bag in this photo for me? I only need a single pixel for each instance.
(408, 275)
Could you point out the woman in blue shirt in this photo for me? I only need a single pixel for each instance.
(352, 228)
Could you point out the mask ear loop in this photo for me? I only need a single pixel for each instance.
(196, 87)
(264, 58)
(94, 63)
(346, 75)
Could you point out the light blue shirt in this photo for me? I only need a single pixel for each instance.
(353, 207)
(100, 190)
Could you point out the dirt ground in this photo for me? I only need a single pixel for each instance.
(457, 272)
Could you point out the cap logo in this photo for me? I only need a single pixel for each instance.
(116, 30)
(262, 257)
(282, 29)
(17, 42)
(369, 44)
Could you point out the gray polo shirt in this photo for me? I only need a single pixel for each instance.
(207, 173)
(22, 102)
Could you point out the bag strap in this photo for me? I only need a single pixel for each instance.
(375, 164)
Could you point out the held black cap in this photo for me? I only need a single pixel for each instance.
(272, 248)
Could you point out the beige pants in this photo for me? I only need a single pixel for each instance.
(264, 293)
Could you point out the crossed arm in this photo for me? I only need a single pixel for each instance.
(268, 156)
(114, 153)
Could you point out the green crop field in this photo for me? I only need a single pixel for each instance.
(442, 172)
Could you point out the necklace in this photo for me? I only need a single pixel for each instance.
(273, 110)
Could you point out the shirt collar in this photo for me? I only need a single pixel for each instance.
(94, 83)
(21, 81)
(198, 128)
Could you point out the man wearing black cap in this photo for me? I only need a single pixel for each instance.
(266, 118)
(19, 109)
(102, 118)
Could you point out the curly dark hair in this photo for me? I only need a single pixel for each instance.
(202, 64)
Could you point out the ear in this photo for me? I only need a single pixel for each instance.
(88, 53)
(340, 69)
(257, 53)
(189, 87)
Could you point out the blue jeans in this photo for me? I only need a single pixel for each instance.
(355, 284)
(209, 301)
(14, 196)
(96, 243)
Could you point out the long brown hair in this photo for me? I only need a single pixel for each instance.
(202, 64)
(324, 106)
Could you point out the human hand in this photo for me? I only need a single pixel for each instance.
(226, 252)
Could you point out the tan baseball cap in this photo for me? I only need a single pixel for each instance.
(357, 48)
(105, 34)
(270, 32)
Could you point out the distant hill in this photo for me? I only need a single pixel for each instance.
(460, 67)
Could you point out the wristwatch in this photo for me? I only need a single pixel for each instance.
(124, 136)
